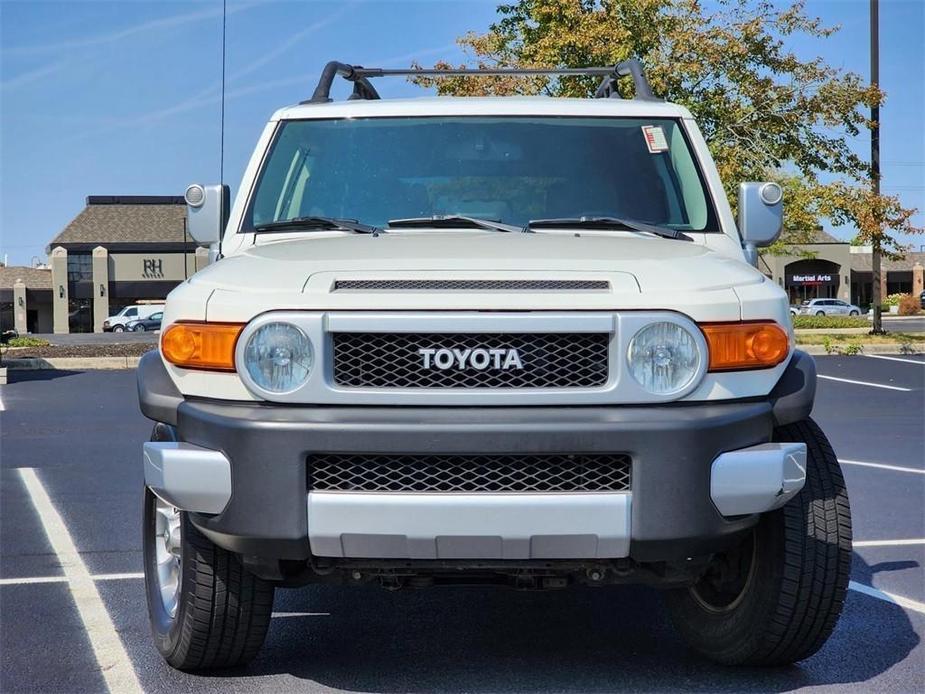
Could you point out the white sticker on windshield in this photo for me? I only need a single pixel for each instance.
(655, 139)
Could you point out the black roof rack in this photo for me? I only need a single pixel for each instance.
(363, 88)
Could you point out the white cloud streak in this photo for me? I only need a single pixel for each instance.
(30, 76)
(127, 32)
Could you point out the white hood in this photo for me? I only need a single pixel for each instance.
(652, 262)
(643, 273)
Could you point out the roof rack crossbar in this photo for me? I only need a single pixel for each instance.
(363, 89)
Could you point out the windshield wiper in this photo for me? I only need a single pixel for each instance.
(608, 223)
(315, 223)
(453, 220)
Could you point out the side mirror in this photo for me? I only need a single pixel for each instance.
(206, 212)
(761, 216)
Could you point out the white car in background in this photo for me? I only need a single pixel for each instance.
(828, 307)
(135, 312)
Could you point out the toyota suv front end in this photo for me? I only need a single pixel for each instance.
(487, 340)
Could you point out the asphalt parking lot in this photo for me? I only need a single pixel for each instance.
(70, 498)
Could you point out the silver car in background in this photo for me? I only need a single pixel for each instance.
(828, 307)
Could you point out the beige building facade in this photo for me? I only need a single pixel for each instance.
(833, 269)
(118, 251)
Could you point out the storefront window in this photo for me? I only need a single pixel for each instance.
(80, 316)
(811, 279)
(79, 267)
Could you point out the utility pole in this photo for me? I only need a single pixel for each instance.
(876, 294)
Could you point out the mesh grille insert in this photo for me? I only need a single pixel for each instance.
(393, 360)
(469, 473)
(471, 285)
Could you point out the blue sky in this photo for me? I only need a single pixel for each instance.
(107, 98)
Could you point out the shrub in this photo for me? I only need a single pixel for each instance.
(829, 322)
(25, 341)
(854, 348)
(893, 299)
(909, 305)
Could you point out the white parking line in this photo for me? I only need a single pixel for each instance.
(906, 603)
(864, 383)
(63, 579)
(301, 614)
(111, 657)
(882, 466)
(2, 406)
(887, 543)
(905, 361)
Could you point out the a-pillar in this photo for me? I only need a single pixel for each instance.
(59, 296)
(19, 306)
(100, 288)
(202, 258)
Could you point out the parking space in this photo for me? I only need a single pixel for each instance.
(80, 433)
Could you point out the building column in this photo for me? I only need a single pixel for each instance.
(882, 284)
(19, 307)
(59, 295)
(100, 288)
(918, 279)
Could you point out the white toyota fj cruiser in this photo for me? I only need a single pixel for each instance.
(509, 340)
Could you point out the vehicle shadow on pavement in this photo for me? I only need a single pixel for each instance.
(26, 375)
(493, 639)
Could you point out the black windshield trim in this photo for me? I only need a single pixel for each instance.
(712, 226)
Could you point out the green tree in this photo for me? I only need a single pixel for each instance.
(765, 111)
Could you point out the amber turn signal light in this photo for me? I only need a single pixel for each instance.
(749, 345)
(201, 345)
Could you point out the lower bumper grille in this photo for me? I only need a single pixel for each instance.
(469, 473)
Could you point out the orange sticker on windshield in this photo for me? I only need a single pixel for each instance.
(655, 139)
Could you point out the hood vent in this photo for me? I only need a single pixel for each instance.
(471, 285)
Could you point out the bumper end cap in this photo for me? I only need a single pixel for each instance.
(757, 479)
(188, 477)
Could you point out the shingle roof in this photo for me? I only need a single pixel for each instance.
(35, 278)
(136, 219)
(862, 262)
(820, 236)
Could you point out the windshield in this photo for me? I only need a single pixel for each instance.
(507, 169)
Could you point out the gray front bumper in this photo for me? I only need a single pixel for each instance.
(671, 511)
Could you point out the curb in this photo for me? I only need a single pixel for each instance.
(72, 363)
(832, 331)
(819, 350)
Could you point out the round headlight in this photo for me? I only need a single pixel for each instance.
(278, 357)
(663, 358)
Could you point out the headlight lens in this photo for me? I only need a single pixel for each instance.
(663, 358)
(278, 357)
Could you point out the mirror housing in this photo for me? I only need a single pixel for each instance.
(207, 210)
(761, 216)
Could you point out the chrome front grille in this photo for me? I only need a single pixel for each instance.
(394, 360)
(469, 473)
(471, 285)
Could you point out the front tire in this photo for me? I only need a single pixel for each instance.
(206, 611)
(118, 329)
(854, 313)
(820, 313)
(140, 328)
(776, 598)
